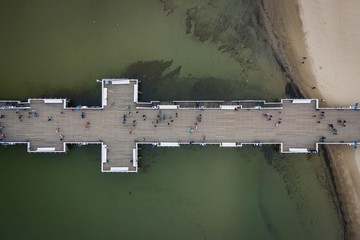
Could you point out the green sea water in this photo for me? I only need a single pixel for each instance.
(179, 50)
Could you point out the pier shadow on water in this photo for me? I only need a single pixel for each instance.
(158, 83)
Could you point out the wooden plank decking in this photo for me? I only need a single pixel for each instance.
(298, 128)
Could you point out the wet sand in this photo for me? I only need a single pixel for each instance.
(316, 42)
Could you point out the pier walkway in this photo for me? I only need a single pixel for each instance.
(48, 125)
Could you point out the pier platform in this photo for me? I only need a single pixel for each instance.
(122, 123)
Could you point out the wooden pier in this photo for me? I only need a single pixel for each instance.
(48, 125)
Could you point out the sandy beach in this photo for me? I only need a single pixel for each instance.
(332, 37)
(317, 43)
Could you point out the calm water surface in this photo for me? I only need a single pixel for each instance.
(179, 50)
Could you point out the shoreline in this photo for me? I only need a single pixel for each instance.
(283, 23)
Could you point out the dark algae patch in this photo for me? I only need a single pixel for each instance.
(336, 198)
(233, 27)
(169, 6)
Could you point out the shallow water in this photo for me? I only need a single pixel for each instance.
(54, 49)
(59, 49)
(183, 193)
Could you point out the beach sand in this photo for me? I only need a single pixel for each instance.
(332, 37)
(326, 34)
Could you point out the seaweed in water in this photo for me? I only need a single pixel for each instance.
(233, 27)
(269, 153)
(270, 227)
(169, 6)
(292, 90)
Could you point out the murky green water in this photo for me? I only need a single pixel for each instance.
(182, 193)
(200, 50)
